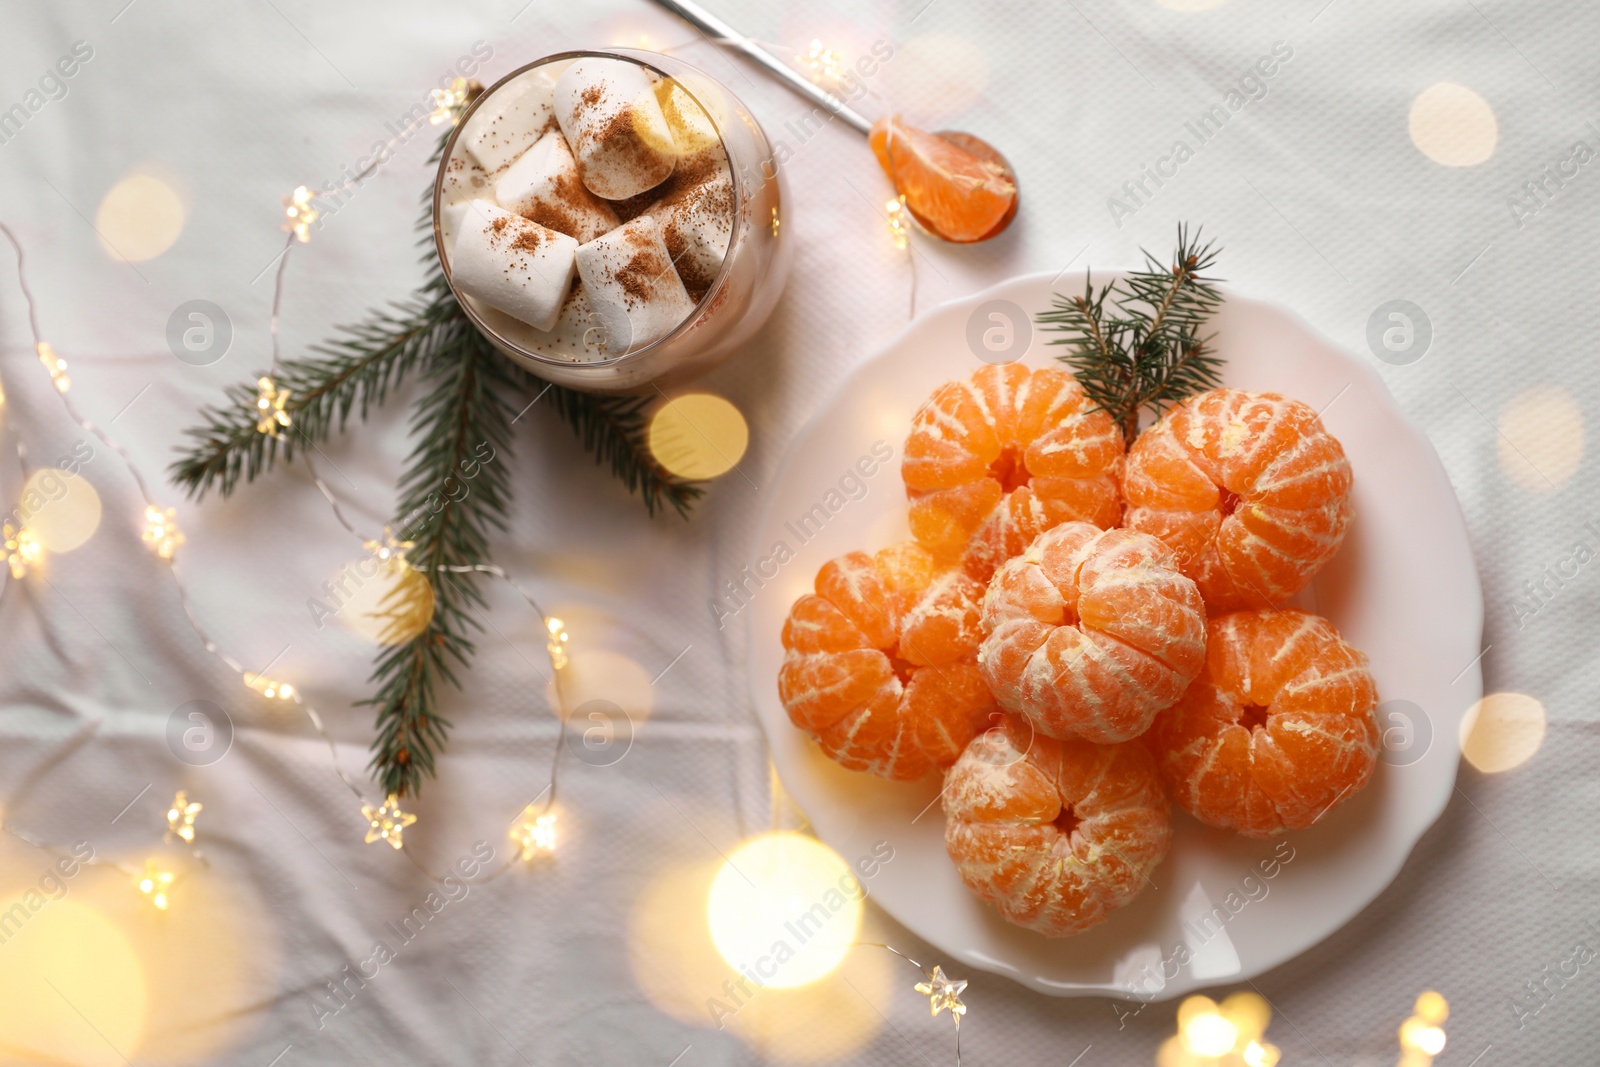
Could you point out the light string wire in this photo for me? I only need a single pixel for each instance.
(936, 985)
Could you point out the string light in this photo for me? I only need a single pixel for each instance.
(268, 688)
(943, 993)
(300, 214)
(55, 365)
(449, 103)
(1421, 1036)
(387, 822)
(557, 643)
(21, 549)
(388, 548)
(161, 531)
(825, 64)
(181, 816)
(155, 883)
(535, 834)
(899, 222)
(271, 418)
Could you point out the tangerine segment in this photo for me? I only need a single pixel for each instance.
(994, 460)
(1249, 490)
(957, 194)
(1091, 633)
(1276, 731)
(1055, 834)
(881, 662)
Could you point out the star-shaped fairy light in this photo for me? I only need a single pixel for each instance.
(20, 548)
(536, 834)
(388, 548)
(299, 214)
(161, 531)
(155, 883)
(55, 365)
(181, 816)
(269, 688)
(387, 822)
(943, 993)
(449, 103)
(271, 418)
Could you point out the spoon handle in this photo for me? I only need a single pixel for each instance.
(723, 34)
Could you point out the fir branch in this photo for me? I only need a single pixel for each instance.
(1151, 353)
(454, 493)
(613, 429)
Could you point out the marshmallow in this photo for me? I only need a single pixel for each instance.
(695, 216)
(509, 122)
(632, 289)
(608, 111)
(543, 185)
(512, 264)
(692, 129)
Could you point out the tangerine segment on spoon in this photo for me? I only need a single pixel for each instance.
(1057, 835)
(881, 662)
(955, 185)
(1278, 728)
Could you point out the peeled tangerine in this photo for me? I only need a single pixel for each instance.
(1091, 633)
(1249, 490)
(1276, 731)
(1055, 834)
(881, 668)
(993, 461)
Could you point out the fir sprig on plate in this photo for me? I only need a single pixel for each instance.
(1135, 344)
(454, 491)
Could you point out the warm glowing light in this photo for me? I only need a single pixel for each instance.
(1452, 125)
(698, 436)
(181, 816)
(1502, 731)
(785, 907)
(556, 644)
(382, 596)
(1431, 1007)
(449, 103)
(389, 547)
(61, 509)
(161, 531)
(268, 688)
(1209, 1034)
(300, 214)
(387, 822)
(155, 884)
(20, 549)
(1540, 441)
(535, 833)
(55, 365)
(776, 223)
(1213, 1035)
(824, 65)
(139, 218)
(271, 418)
(1258, 1055)
(943, 992)
(899, 222)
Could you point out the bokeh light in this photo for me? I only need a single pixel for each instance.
(387, 601)
(680, 972)
(139, 218)
(601, 674)
(63, 510)
(1541, 438)
(944, 73)
(1452, 125)
(698, 436)
(1502, 731)
(784, 907)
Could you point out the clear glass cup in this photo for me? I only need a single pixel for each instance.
(739, 299)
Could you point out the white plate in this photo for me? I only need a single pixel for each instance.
(1403, 588)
